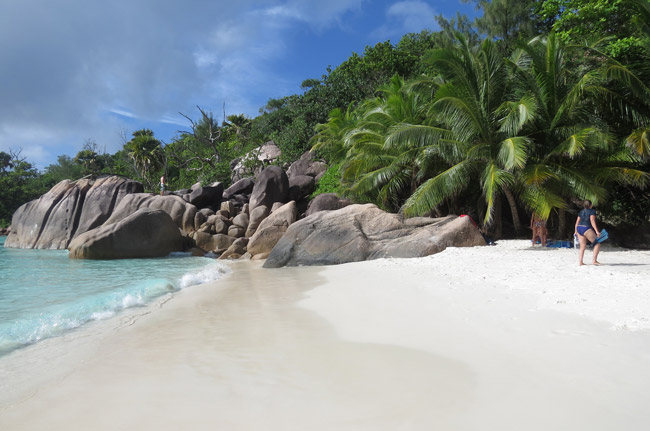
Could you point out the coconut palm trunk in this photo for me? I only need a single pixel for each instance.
(513, 210)
(562, 223)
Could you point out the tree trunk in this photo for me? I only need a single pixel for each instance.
(513, 210)
(495, 228)
(561, 223)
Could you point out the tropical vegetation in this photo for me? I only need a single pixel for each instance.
(532, 107)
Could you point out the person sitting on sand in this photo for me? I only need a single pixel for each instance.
(538, 226)
(586, 229)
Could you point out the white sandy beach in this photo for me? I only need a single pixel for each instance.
(488, 338)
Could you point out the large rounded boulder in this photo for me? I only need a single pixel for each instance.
(272, 228)
(145, 233)
(68, 209)
(181, 212)
(271, 186)
(241, 187)
(364, 232)
(326, 202)
(207, 196)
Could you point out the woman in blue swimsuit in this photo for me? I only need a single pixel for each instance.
(586, 229)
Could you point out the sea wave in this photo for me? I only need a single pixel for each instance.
(61, 317)
(210, 273)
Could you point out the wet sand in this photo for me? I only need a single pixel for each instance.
(504, 337)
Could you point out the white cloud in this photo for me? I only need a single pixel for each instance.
(411, 16)
(81, 69)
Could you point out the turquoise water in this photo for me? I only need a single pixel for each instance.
(45, 294)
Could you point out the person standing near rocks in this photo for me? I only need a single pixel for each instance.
(586, 229)
(538, 226)
(162, 185)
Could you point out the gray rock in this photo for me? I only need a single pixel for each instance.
(195, 251)
(181, 212)
(316, 170)
(199, 220)
(182, 192)
(202, 217)
(236, 231)
(300, 186)
(69, 209)
(145, 233)
(326, 202)
(256, 217)
(272, 228)
(241, 220)
(364, 232)
(221, 225)
(207, 196)
(102, 198)
(236, 250)
(212, 243)
(307, 165)
(260, 157)
(272, 185)
(222, 242)
(208, 212)
(229, 207)
(243, 186)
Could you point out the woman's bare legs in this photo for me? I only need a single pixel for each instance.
(596, 250)
(583, 246)
(591, 236)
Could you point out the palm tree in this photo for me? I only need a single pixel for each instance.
(574, 154)
(330, 137)
(146, 153)
(479, 134)
(375, 169)
(637, 96)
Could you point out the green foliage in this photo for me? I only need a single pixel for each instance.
(20, 182)
(577, 21)
(64, 168)
(507, 20)
(204, 154)
(146, 153)
(330, 182)
(440, 121)
(529, 130)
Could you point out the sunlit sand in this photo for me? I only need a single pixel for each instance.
(505, 338)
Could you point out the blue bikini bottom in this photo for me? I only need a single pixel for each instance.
(583, 229)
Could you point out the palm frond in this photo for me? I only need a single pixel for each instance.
(493, 179)
(639, 142)
(435, 190)
(513, 152)
(514, 115)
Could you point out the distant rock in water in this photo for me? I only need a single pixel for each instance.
(145, 233)
(67, 210)
(365, 232)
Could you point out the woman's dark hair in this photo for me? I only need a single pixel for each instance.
(586, 203)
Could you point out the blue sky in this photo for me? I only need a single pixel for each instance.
(78, 70)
